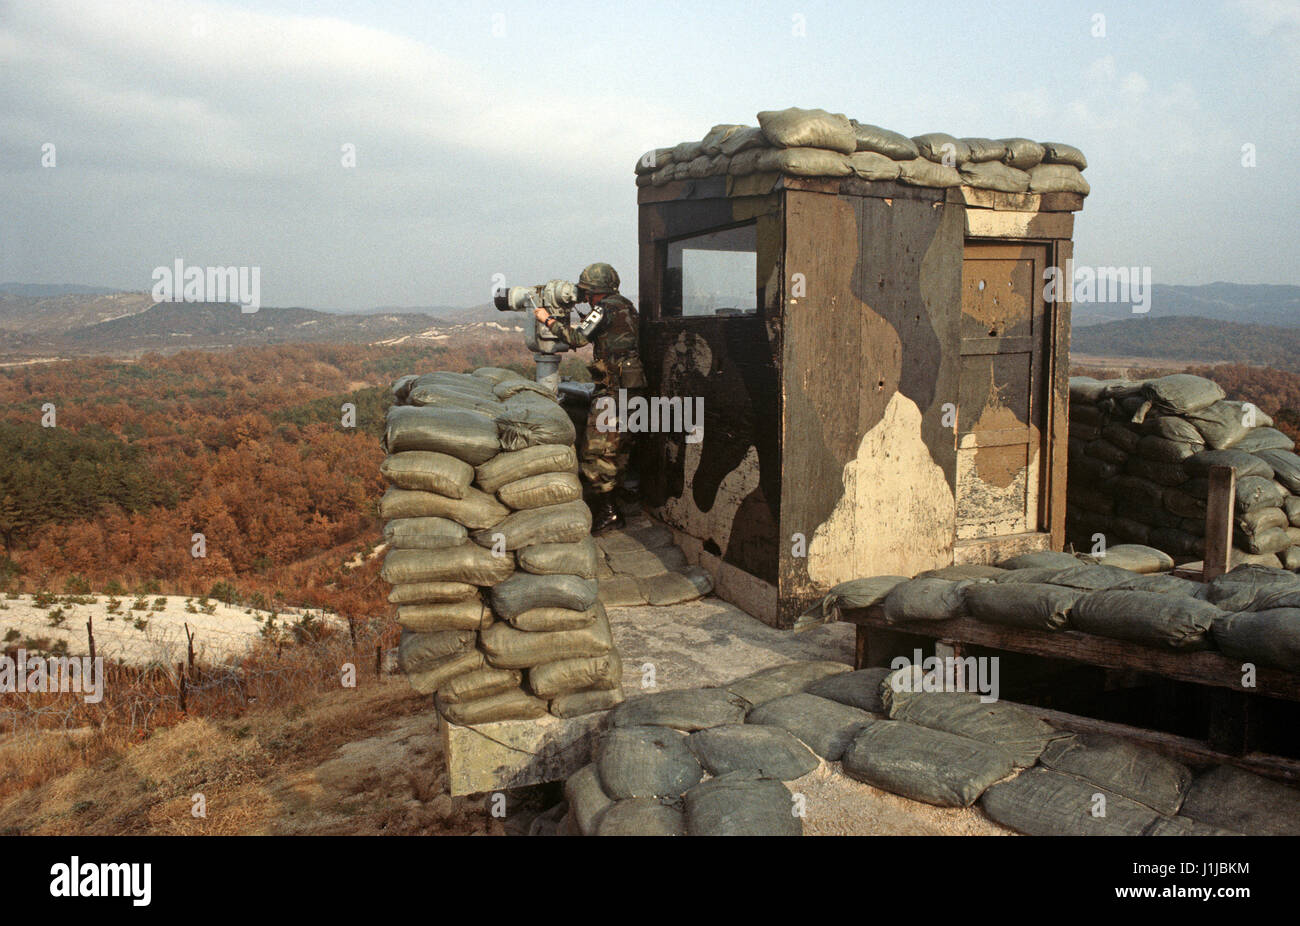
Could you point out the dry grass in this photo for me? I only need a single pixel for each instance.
(362, 761)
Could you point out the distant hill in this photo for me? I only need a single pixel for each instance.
(1192, 339)
(46, 290)
(1245, 303)
(56, 313)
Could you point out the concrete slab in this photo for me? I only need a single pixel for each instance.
(690, 645)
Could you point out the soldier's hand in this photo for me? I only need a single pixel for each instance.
(541, 314)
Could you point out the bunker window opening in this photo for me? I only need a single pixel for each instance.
(713, 274)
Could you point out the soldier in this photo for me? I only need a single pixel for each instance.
(615, 365)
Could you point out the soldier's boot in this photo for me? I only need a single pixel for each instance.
(604, 514)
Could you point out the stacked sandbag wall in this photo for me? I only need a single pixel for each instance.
(816, 143)
(1139, 461)
(490, 552)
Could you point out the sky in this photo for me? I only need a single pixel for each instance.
(496, 141)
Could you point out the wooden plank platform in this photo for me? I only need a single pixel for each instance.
(1201, 668)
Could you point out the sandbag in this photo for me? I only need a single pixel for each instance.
(531, 424)
(537, 620)
(804, 162)
(642, 817)
(481, 683)
(509, 705)
(575, 559)
(1022, 153)
(741, 804)
(1146, 617)
(566, 523)
(1037, 605)
(1021, 735)
(1162, 450)
(586, 702)
(646, 762)
(675, 587)
(419, 651)
(431, 592)
(428, 472)
(586, 798)
(808, 128)
(467, 563)
(1265, 439)
(1239, 588)
(540, 491)
(942, 148)
(1057, 178)
(1040, 559)
(1135, 557)
(434, 675)
(984, 149)
(1162, 474)
(583, 673)
(743, 139)
(1285, 465)
(769, 752)
(924, 172)
(994, 175)
(469, 614)
(872, 166)
(687, 710)
(1292, 508)
(1266, 637)
(923, 764)
(825, 727)
(424, 533)
(1267, 540)
(779, 681)
(524, 591)
(1172, 427)
(496, 375)
(1122, 767)
(476, 510)
(1041, 802)
(856, 593)
(860, 689)
(520, 464)
(1163, 585)
(926, 600)
(1246, 464)
(508, 648)
(872, 138)
(439, 396)
(1186, 826)
(1056, 153)
(463, 434)
(1257, 492)
(1232, 798)
(1122, 437)
(1221, 424)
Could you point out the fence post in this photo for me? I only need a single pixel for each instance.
(180, 674)
(189, 647)
(1218, 522)
(90, 637)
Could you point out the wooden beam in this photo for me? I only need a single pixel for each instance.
(1202, 667)
(988, 223)
(1181, 748)
(1218, 522)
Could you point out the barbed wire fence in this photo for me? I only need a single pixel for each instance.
(138, 699)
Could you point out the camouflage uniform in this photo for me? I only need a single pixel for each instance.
(615, 365)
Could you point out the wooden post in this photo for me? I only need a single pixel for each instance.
(1219, 509)
(90, 637)
(180, 674)
(189, 648)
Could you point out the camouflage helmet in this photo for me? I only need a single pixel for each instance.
(599, 278)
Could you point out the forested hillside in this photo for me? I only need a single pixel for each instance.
(246, 447)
